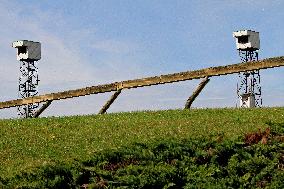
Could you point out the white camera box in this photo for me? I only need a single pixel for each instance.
(247, 40)
(27, 50)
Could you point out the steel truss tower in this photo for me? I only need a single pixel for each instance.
(28, 85)
(28, 53)
(248, 87)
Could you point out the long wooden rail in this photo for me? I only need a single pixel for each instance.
(162, 79)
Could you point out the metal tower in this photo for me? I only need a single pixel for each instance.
(248, 87)
(28, 86)
(28, 53)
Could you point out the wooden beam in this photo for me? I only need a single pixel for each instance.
(162, 79)
(109, 102)
(196, 93)
(37, 113)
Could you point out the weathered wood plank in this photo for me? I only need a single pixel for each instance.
(109, 102)
(197, 91)
(170, 78)
(37, 113)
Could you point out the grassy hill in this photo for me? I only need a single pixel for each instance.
(29, 143)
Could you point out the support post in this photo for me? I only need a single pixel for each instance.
(109, 102)
(37, 113)
(196, 92)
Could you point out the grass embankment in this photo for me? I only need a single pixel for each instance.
(25, 144)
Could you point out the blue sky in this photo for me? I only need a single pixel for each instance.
(90, 42)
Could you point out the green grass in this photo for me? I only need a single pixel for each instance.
(29, 143)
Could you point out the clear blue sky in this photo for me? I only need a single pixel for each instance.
(90, 42)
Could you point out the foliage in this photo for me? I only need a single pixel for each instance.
(206, 162)
(210, 148)
(27, 143)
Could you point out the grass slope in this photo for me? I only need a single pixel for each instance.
(29, 143)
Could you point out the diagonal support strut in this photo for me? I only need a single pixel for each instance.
(37, 113)
(109, 102)
(196, 92)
